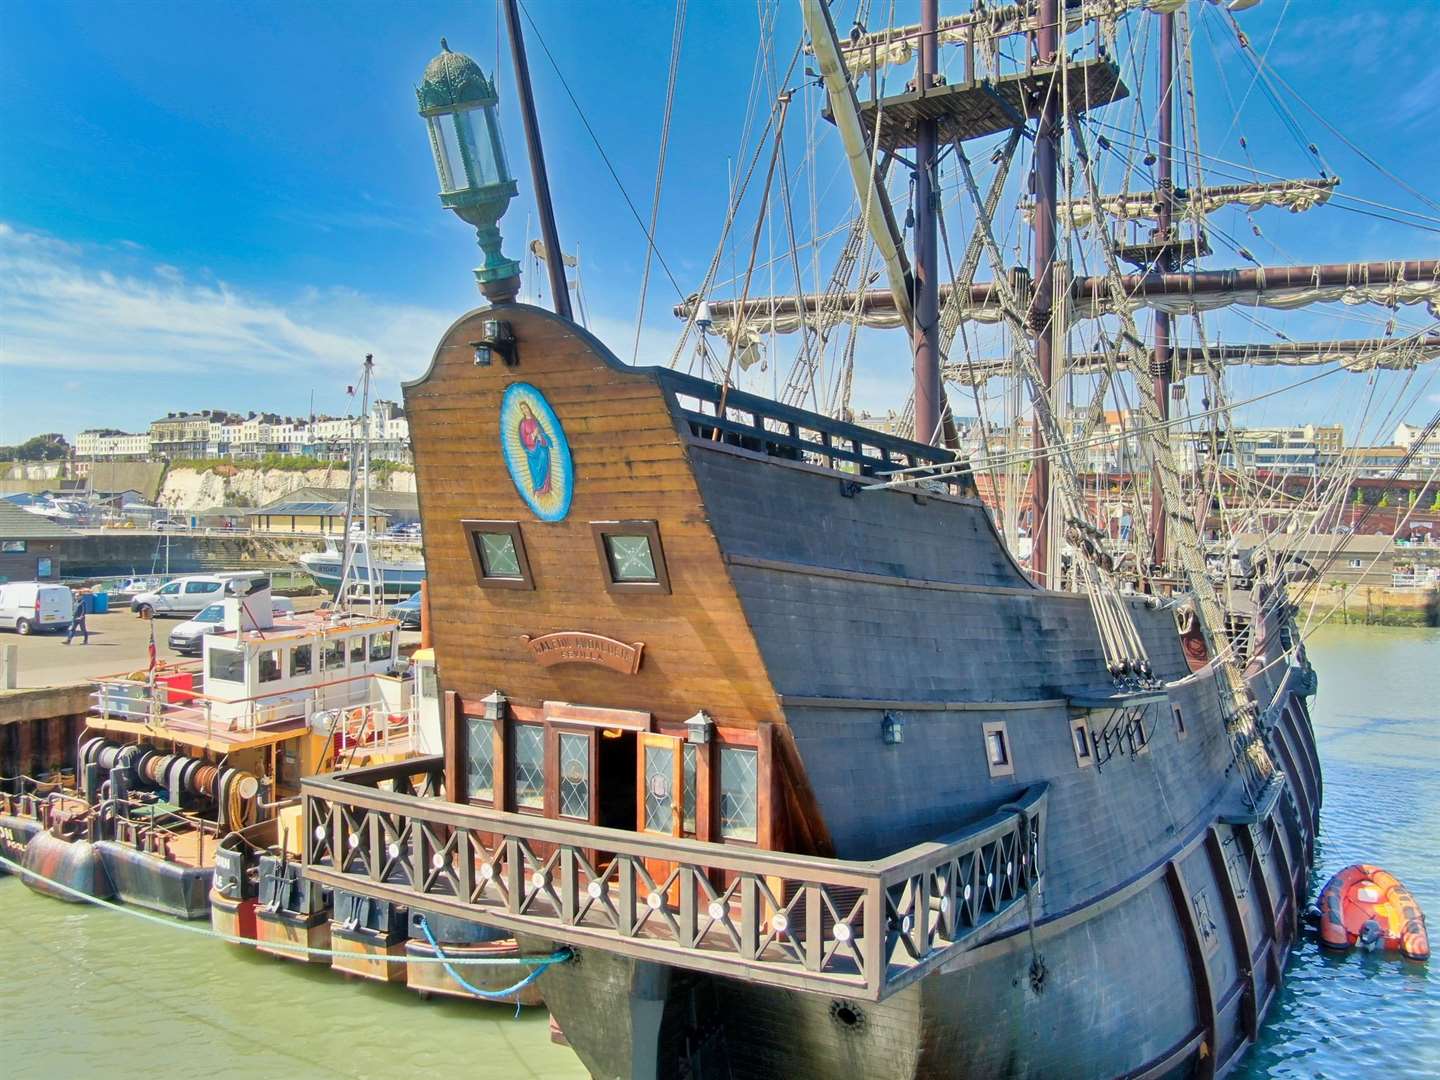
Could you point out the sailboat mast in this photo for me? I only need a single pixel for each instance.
(1161, 362)
(1047, 140)
(554, 260)
(928, 404)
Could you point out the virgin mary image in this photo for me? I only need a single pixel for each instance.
(537, 449)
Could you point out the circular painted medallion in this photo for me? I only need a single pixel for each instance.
(536, 451)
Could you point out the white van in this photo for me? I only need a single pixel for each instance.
(193, 593)
(30, 606)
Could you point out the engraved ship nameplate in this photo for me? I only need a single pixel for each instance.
(579, 647)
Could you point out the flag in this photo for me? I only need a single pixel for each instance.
(152, 644)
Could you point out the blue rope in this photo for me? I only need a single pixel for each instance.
(541, 963)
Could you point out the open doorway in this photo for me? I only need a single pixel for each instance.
(615, 772)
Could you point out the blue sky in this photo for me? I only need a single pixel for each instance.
(227, 204)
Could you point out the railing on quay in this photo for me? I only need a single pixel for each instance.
(861, 928)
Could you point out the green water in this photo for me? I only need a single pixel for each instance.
(87, 992)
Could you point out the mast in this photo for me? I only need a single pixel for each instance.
(555, 265)
(927, 273)
(1160, 363)
(1047, 137)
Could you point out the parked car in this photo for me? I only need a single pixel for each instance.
(191, 594)
(172, 525)
(31, 606)
(188, 639)
(407, 611)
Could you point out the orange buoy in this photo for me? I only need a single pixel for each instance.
(1367, 906)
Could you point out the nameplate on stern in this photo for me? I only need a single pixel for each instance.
(578, 647)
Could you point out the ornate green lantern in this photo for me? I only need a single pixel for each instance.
(459, 106)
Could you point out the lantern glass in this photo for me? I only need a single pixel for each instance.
(467, 148)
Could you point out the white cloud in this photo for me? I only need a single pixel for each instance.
(73, 308)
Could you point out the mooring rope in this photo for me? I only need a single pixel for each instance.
(489, 995)
(540, 963)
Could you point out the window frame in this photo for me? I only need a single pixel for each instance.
(278, 652)
(1078, 727)
(512, 769)
(1006, 767)
(496, 772)
(473, 527)
(601, 530)
(719, 782)
(309, 666)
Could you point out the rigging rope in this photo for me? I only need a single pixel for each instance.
(677, 37)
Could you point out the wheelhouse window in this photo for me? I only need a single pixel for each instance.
(529, 761)
(380, 647)
(997, 749)
(227, 665)
(739, 791)
(497, 550)
(333, 656)
(269, 669)
(357, 649)
(300, 658)
(631, 557)
(480, 758)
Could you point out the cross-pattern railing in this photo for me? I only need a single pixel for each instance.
(864, 929)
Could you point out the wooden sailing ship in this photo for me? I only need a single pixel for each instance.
(754, 710)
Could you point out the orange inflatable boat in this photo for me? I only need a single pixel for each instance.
(1367, 906)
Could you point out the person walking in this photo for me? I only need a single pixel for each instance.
(77, 621)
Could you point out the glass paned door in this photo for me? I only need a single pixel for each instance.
(574, 790)
(660, 796)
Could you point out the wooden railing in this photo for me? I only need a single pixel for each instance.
(725, 414)
(864, 929)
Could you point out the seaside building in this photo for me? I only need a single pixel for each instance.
(29, 545)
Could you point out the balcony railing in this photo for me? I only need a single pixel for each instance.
(864, 929)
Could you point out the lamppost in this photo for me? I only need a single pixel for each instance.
(459, 106)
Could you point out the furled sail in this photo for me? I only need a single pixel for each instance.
(1296, 196)
(1389, 284)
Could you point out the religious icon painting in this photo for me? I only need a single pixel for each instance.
(537, 454)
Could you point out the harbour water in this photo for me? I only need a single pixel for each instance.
(86, 991)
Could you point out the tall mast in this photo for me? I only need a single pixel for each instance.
(1161, 365)
(928, 404)
(1047, 138)
(554, 262)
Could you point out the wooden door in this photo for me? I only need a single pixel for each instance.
(659, 796)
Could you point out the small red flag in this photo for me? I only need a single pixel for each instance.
(152, 643)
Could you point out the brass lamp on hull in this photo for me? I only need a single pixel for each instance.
(459, 106)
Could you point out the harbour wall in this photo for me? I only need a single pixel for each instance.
(1374, 605)
(113, 552)
(39, 728)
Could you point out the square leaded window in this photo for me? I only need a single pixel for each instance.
(630, 556)
(498, 552)
(480, 758)
(529, 763)
(739, 787)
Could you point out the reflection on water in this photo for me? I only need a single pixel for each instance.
(87, 992)
(1375, 721)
